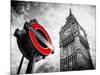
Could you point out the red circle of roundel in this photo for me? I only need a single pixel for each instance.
(42, 50)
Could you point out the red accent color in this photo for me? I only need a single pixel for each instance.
(42, 50)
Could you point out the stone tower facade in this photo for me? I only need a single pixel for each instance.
(74, 46)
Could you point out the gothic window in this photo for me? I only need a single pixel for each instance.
(73, 21)
(82, 33)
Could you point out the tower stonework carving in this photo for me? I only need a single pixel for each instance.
(74, 46)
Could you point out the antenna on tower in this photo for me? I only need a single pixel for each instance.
(70, 11)
(70, 14)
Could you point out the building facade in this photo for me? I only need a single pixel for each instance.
(74, 46)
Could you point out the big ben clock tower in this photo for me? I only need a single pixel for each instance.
(74, 46)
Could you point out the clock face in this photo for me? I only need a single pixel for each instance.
(67, 32)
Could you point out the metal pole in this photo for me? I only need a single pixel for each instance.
(19, 68)
(31, 64)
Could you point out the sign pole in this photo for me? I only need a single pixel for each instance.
(19, 68)
(31, 64)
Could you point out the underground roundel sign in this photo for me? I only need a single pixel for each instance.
(40, 39)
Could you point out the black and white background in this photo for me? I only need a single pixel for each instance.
(52, 16)
(5, 36)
